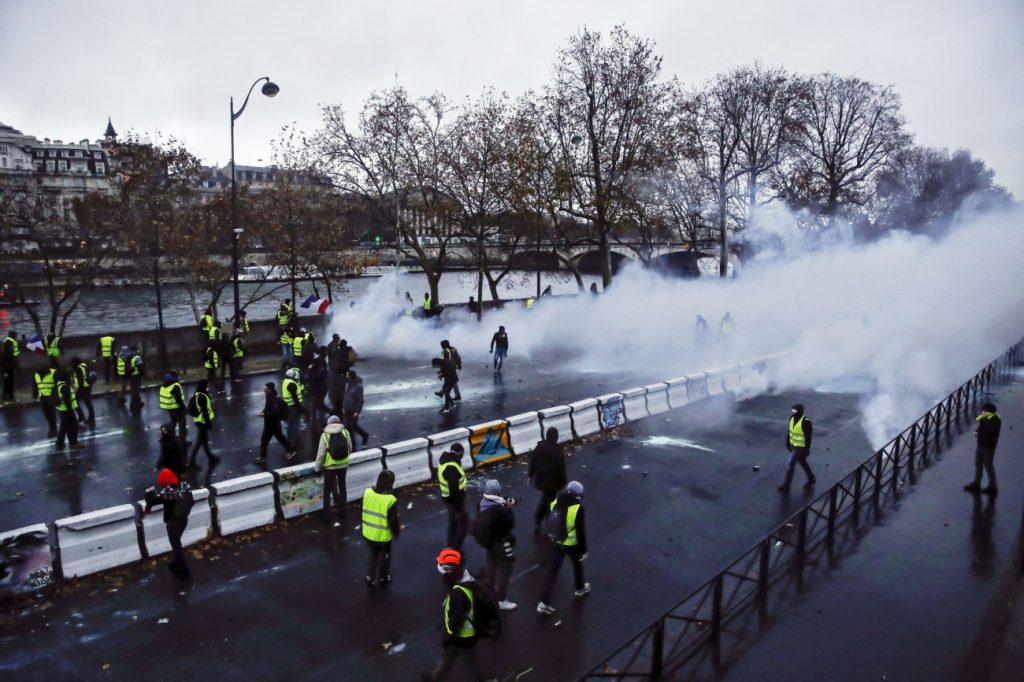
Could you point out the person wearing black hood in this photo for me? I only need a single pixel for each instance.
(354, 405)
(172, 452)
(273, 412)
(66, 405)
(547, 472)
(176, 498)
(459, 611)
(316, 373)
(568, 534)
(201, 407)
(452, 481)
(380, 526)
(337, 384)
(450, 352)
(499, 346)
(798, 442)
(83, 381)
(449, 380)
(987, 433)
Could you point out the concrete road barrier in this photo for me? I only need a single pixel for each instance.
(586, 419)
(409, 460)
(200, 524)
(634, 402)
(559, 417)
(363, 468)
(245, 502)
(611, 410)
(489, 442)
(97, 540)
(300, 490)
(677, 393)
(715, 381)
(524, 432)
(657, 398)
(439, 442)
(27, 560)
(731, 380)
(696, 387)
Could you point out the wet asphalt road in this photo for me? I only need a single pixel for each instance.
(670, 500)
(40, 484)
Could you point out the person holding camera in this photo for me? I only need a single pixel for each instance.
(492, 529)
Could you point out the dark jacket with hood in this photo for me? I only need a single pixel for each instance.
(168, 496)
(565, 500)
(494, 523)
(988, 432)
(273, 408)
(446, 370)
(172, 454)
(547, 464)
(354, 395)
(457, 497)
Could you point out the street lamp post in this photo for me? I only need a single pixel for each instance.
(269, 89)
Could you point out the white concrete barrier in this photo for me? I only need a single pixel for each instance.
(440, 442)
(300, 490)
(98, 540)
(524, 432)
(200, 524)
(27, 560)
(489, 442)
(716, 384)
(754, 378)
(657, 398)
(731, 380)
(409, 460)
(696, 387)
(677, 396)
(586, 419)
(363, 469)
(245, 502)
(559, 417)
(611, 410)
(635, 403)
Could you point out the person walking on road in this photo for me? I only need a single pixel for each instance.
(105, 352)
(499, 346)
(452, 481)
(121, 363)
(67, 409)
(9, 353)
(798, 442)
(172, 402)
(380, 526)
(176, 498)
(450, 352)
(45, 380)
(172, 452)
(987, 433)
(547, 472)
(83, 380)
(449, 380)
(492, 529)
(332, 459)
(293, 393)
(273, 412)
(354, 404)
(201, 408)
(337, 384)
(459, 615)
(211, 361)
(317, 390)
(134, 369)
(237, 355)
(567, 530)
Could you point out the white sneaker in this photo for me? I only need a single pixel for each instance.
(582, 591)
(544, 609)
(507, 605)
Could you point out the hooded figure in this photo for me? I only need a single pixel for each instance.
(380, 526)
(460, 633)
(273, 412)
(798, 442)
(570, 542)
(547, 472)
(172, 453)
(176, 498)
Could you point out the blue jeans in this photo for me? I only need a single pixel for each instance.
(458, 393)
(799, 456)
(286, 352)
(499, 357)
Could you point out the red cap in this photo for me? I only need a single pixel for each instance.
(167, 477)
(449, 556)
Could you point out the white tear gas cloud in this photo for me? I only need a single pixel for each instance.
(900, 321)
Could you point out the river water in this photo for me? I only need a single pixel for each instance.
(121, 309)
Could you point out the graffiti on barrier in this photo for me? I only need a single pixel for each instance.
(612, 414)
(25, 563)
(490, 442)
(301, 494)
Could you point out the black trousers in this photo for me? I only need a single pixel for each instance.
(557, 557)
(334, 487)
(379, 566)
(202, 441)
(236, 369)
(68, 428)
(8, 383)
(543, 506)
(176, 420)
(352, 424)
(50, 412)
(135, 382)
(211, 378)
(451, 653)
(984, 459)
(84, 396)
(272, 429)
(175, 529)
(108, 369)
(500, 561)
(798, 456)
(458, 522)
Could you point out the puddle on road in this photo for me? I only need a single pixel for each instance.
(666, 441)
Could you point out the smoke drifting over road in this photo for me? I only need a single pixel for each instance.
(900, 321)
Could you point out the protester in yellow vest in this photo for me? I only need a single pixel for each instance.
(201, 408)
(105, 352)
(42, 388)
(380, 526)
(798, 442)
(332, 458)
(566, 528)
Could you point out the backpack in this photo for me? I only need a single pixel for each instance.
(481, 530)
(193, 406)
(555, 525)
(486, 614)
(183, 506)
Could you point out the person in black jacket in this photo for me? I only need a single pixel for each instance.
(316, 372)
(380, 528)
(452, 480)
(987, 433)
(798, 442)
(273, 412)
(337, 383)
(547, 472)
(354, 404)
(450, 352)
(460, 635)
(176, 498)
(571, 542)
(492, 529)
(172, 452)
(499, 346)
(449, 379)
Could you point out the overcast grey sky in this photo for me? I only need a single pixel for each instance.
(171, 65)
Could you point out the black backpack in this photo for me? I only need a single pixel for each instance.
(193, 406)
(481, 530)
(486, 613)
(183, 505)
(555, 525)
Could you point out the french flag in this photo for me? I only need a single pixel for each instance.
(36, 344)
(316, 305)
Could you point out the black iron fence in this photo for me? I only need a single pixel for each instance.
(691, 635)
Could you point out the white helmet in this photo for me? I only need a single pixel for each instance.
(292, 373)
